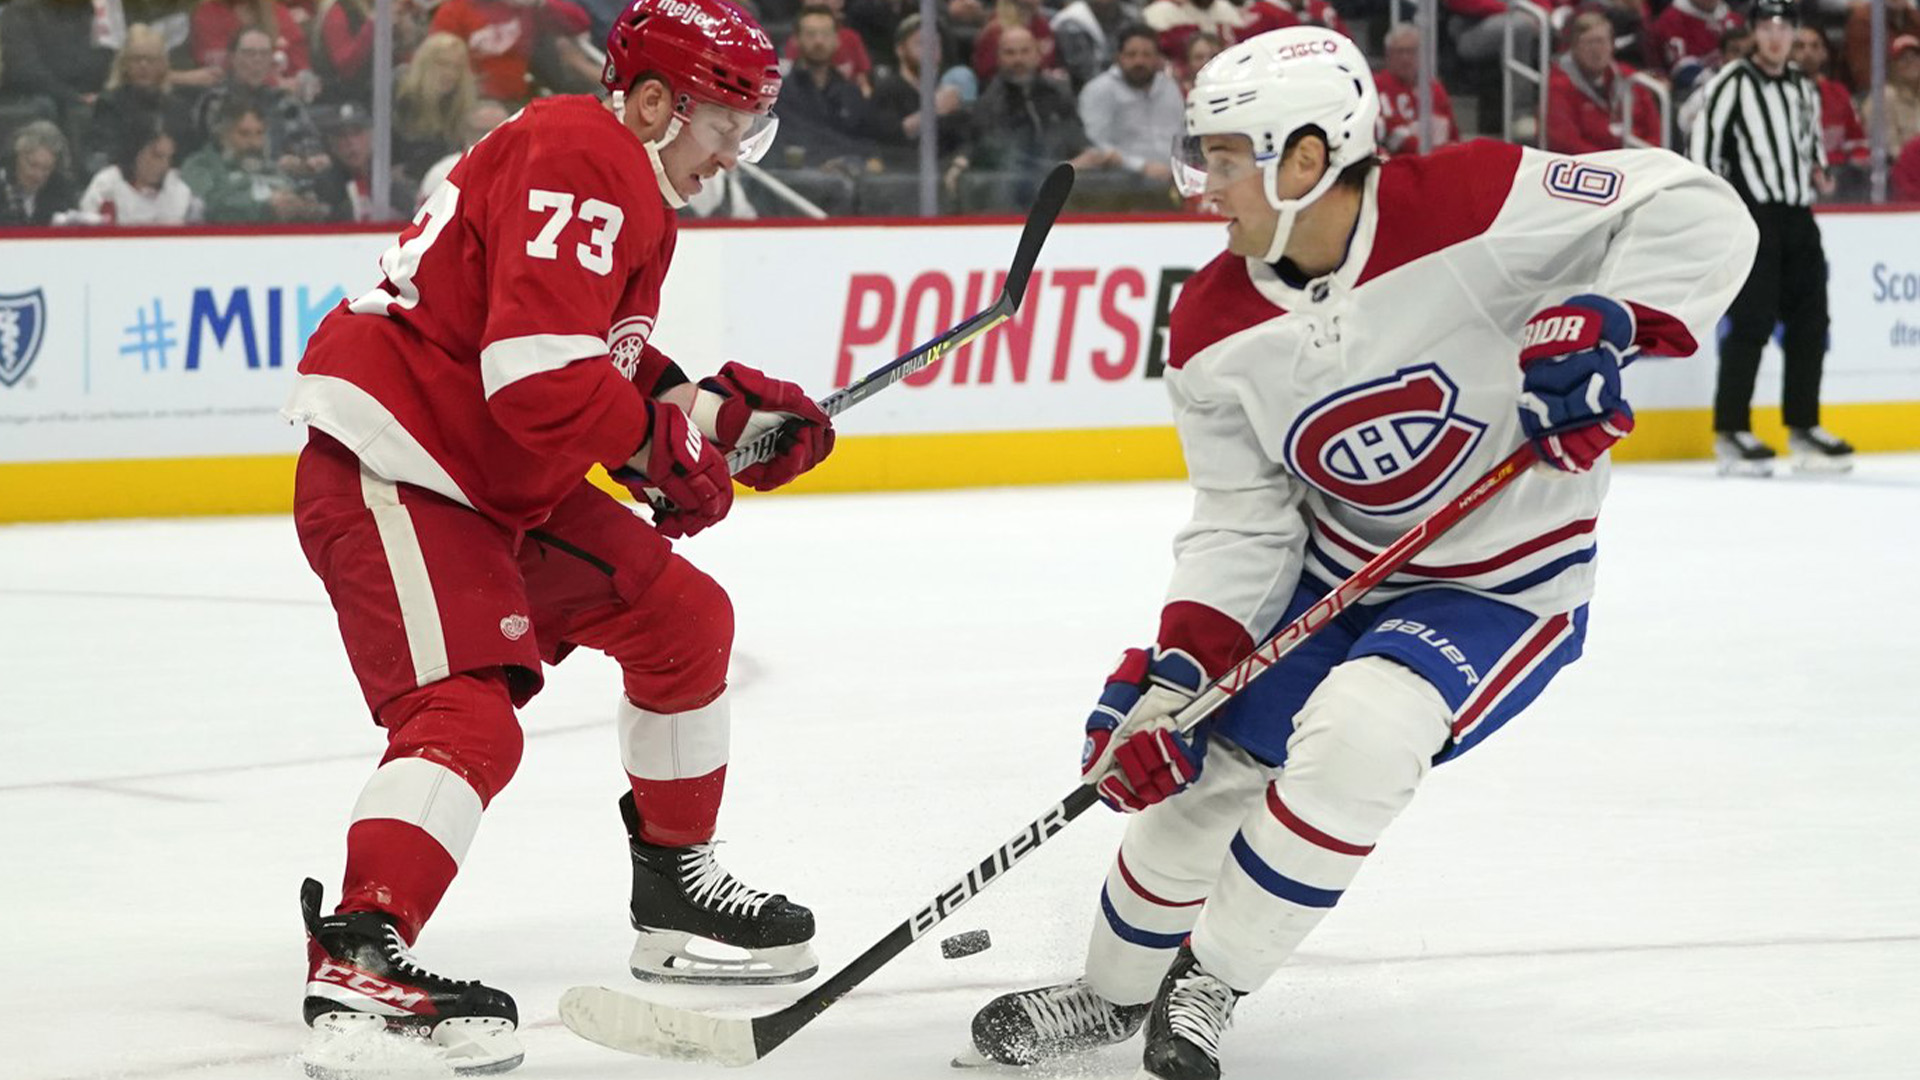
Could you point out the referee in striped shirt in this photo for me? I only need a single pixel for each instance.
(1760, 130)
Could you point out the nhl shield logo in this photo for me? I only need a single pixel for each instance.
(1386, 446)
(23, 322)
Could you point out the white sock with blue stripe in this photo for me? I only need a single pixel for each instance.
(1360, 747)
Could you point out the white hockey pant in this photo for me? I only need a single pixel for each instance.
(1248, 860)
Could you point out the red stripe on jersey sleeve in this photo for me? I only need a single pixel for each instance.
(1213, 638)
(1434, 201)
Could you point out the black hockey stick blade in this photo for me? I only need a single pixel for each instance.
(1047, 204)
(627, 1023)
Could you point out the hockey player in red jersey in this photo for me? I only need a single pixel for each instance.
(1376, 337)
(455, 410)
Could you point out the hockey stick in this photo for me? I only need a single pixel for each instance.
(1046, 208)
(627, 1023)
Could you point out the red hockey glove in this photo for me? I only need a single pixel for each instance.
(681, 465)
(1149, 759)
(739, 404)
(1571, 403)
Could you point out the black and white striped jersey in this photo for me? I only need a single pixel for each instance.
(1762, 132)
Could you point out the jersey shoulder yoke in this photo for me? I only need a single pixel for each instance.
(1217, 302)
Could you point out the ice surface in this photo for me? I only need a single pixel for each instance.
(1697, 857)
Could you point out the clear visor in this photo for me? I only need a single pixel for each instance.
(1200, 167)
(716, 129)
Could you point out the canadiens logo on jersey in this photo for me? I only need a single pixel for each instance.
(1386, 446)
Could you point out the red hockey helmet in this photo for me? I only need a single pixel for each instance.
(706, 50)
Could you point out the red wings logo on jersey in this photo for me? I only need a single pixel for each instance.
(1386, 446)
(627, 342)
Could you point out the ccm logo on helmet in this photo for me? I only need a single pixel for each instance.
(1305, 49)
(1386, 446)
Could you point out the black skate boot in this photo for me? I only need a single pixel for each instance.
(1816, 449)
(1188, 1018)
(363, 983)
(1033, 1026)
(682, 893)
(1741, 453)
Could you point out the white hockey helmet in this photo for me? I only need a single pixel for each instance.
(1268, 88)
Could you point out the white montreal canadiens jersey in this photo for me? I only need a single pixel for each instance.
(1321, 423)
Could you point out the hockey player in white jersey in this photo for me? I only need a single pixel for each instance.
(1376, 337)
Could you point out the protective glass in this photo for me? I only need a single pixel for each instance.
(716, 129)
(1194, 172)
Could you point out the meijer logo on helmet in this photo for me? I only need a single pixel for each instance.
(686, 12)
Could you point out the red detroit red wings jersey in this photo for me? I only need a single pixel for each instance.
(1321, 421)
(495, 363)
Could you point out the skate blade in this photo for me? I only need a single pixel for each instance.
(623, 1022)
(362, 1046)
(972, 1058)
(1823, 466)
(667, 957)
(1756, 469)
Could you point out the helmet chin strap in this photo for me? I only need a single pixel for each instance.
(1290, 208)
(667, 190)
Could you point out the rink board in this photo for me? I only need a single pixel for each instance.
(141, 374)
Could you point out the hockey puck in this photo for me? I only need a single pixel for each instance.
(965, 944)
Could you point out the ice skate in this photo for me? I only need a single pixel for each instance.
(1033, 1026)
(1741, 453)
(374, 1009)
(682, 896)
(1190, 1014)
(1817, 450)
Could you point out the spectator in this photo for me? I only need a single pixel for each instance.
(1398, 85)
(1086, 36)
(1736, 43)
(500, 36)
(1200, 49)
(139, 95)
(174, 20)
(1588, 94)
(50, 53)
(343, 57)
(250, 80)
(850, 55)
(1479, 27)
(1683, 42)
(1133, 111)
(141, 186)
(1264, 15)
(823, 119)
(482, 118)
(1008, 14)
(1903, 18)
(1845, 139)
(232, 176)
(965, 20)
(1024, 121)
(35, 186)
(896, 97)
(431, 104)
(216, 22)
(1902, 97)
(345, 186)
(1906, 174)
(1178, 21)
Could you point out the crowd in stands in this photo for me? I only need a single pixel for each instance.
(173, 111)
